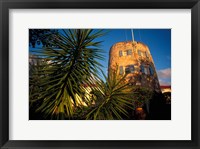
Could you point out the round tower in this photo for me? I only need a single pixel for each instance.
(134, 59)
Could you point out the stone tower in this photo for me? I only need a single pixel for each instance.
(134, 59)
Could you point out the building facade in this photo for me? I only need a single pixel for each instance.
(134, 59)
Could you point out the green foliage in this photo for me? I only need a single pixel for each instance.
(113, 99)
(74, 63)
(39, 36)
(36, 64)
(141, 96)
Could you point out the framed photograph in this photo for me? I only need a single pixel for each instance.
(103, 74)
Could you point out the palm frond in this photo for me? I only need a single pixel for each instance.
(113, 99)
(70, 65)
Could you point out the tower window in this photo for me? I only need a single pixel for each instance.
(129, 52)
(129, 69)
(120, 53)
(121, 71)
(144, 69)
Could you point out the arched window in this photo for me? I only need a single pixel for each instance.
(144, 69)
(129, 69)
(129, 52)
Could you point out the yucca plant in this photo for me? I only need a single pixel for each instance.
(73, 63)
(113, 99)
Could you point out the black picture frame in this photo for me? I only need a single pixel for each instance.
(5, 5)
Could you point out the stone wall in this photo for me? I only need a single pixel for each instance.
(135, 60)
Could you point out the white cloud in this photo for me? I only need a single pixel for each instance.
(164, 73)
(164, 83)
(164, 76)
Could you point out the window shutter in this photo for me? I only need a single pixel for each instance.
(121, 70)
(151, 70)
(120, 53)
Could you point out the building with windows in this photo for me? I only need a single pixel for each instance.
(134, 59)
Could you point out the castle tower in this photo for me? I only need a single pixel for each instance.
(134, 59)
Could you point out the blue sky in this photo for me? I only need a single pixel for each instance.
(158, 41)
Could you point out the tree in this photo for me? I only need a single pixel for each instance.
(40, 36)
(35, 66)
(142, 96)
(73, 64)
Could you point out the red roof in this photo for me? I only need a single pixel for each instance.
(165, 86)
